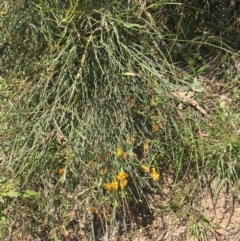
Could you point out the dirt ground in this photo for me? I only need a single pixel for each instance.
(216, 215)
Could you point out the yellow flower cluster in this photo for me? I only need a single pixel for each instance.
(121, 176)
(121, 180)
(154, 174)
(120, 153)
(123, 183)
(123, 155)
(111, 186)
(145, 168)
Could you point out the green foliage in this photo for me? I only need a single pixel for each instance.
(86, 97)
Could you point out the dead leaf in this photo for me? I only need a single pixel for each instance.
(188, 99)
(202, 133)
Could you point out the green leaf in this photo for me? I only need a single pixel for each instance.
(4, 217)
(129, 74)
(131, 25)
(31, 193)
(196, 86)
(11, 193)
(203, 69)
(1, 200)
(5, 220)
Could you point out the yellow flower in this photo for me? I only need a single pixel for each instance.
(120, 153)
(123, 183)
(146, 146)
(155, 175)
(111, 186)
(154, 83)
(156, 127)
(145, 168)
(92, 163)
(105, 170)
(130, 139)
(121, 176)
(103, 157)
(61, 171)
(154, 101)
(57, 46)
(107, 153)
(129, 153)
(94, 210)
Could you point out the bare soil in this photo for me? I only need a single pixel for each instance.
(216, 214)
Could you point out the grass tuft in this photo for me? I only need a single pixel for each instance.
(106, 107)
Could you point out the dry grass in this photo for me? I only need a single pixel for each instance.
(91, 130)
